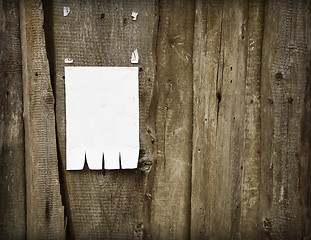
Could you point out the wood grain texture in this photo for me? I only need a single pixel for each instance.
(170, 207)
(305, 147)
(45, 213)
(250, 165)
(224, 119)
(285, 59)
(107, 204)
(226, 127)
(12, 173)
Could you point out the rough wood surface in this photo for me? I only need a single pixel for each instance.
(45, 213)
(226, 128)
(285, 168)
(225, 111)
(107, 204)
(170, 207)
(12, 173)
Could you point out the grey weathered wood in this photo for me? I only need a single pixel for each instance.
(226, 128)
(249, 101)
(108, 204)
(12, 173)
(170, 207)
(45, 213)
(285, 179)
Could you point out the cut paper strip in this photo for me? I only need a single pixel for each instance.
(66, 11)
(68, 60)
(135, 57)
(134, 15)
(102, 117)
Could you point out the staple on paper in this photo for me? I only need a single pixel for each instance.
(135, 57)
(134, 15)
(68, 60)
(66, 11)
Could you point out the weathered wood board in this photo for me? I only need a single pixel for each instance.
(108, 204)
(170, 207)
(226, 133)
(45, 213)
(285, 162)
(12, 168)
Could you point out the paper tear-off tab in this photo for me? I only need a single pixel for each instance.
(102, 117)
(66, 11)
(134, 15)
(68, 60)
(135, 57)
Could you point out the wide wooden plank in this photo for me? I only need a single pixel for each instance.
(170, 207)
(107, 204)
(12, 173)
(226, 127)
(45, 213)
(285, 199)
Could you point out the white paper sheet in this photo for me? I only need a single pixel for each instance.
(102, 117)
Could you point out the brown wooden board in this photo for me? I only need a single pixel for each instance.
(285, 178)
(12, 167)
(170, 207)
(107, 204)
(226, 111)
(45, 213)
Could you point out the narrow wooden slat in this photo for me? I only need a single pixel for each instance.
(250, 165)
(206, 48)
(108, 204)
(12, 173)
(45, 213)
(285, 69)
(170, 207)
(226, 111)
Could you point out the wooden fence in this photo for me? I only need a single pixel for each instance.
(225, 113)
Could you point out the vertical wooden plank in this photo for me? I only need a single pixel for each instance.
(170, 207)
(286, 55)
(226, 128)
(45, 213)
(12, 173)
(250, 165)
(305, 144)
(206, 48)
(108, 204)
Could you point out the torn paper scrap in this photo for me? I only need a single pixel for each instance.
(68, 60)
(134, 15)
(102, 117)
(135, 57)
(66, 11)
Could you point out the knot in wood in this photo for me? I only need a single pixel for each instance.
(290, 100)
(278, 76)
